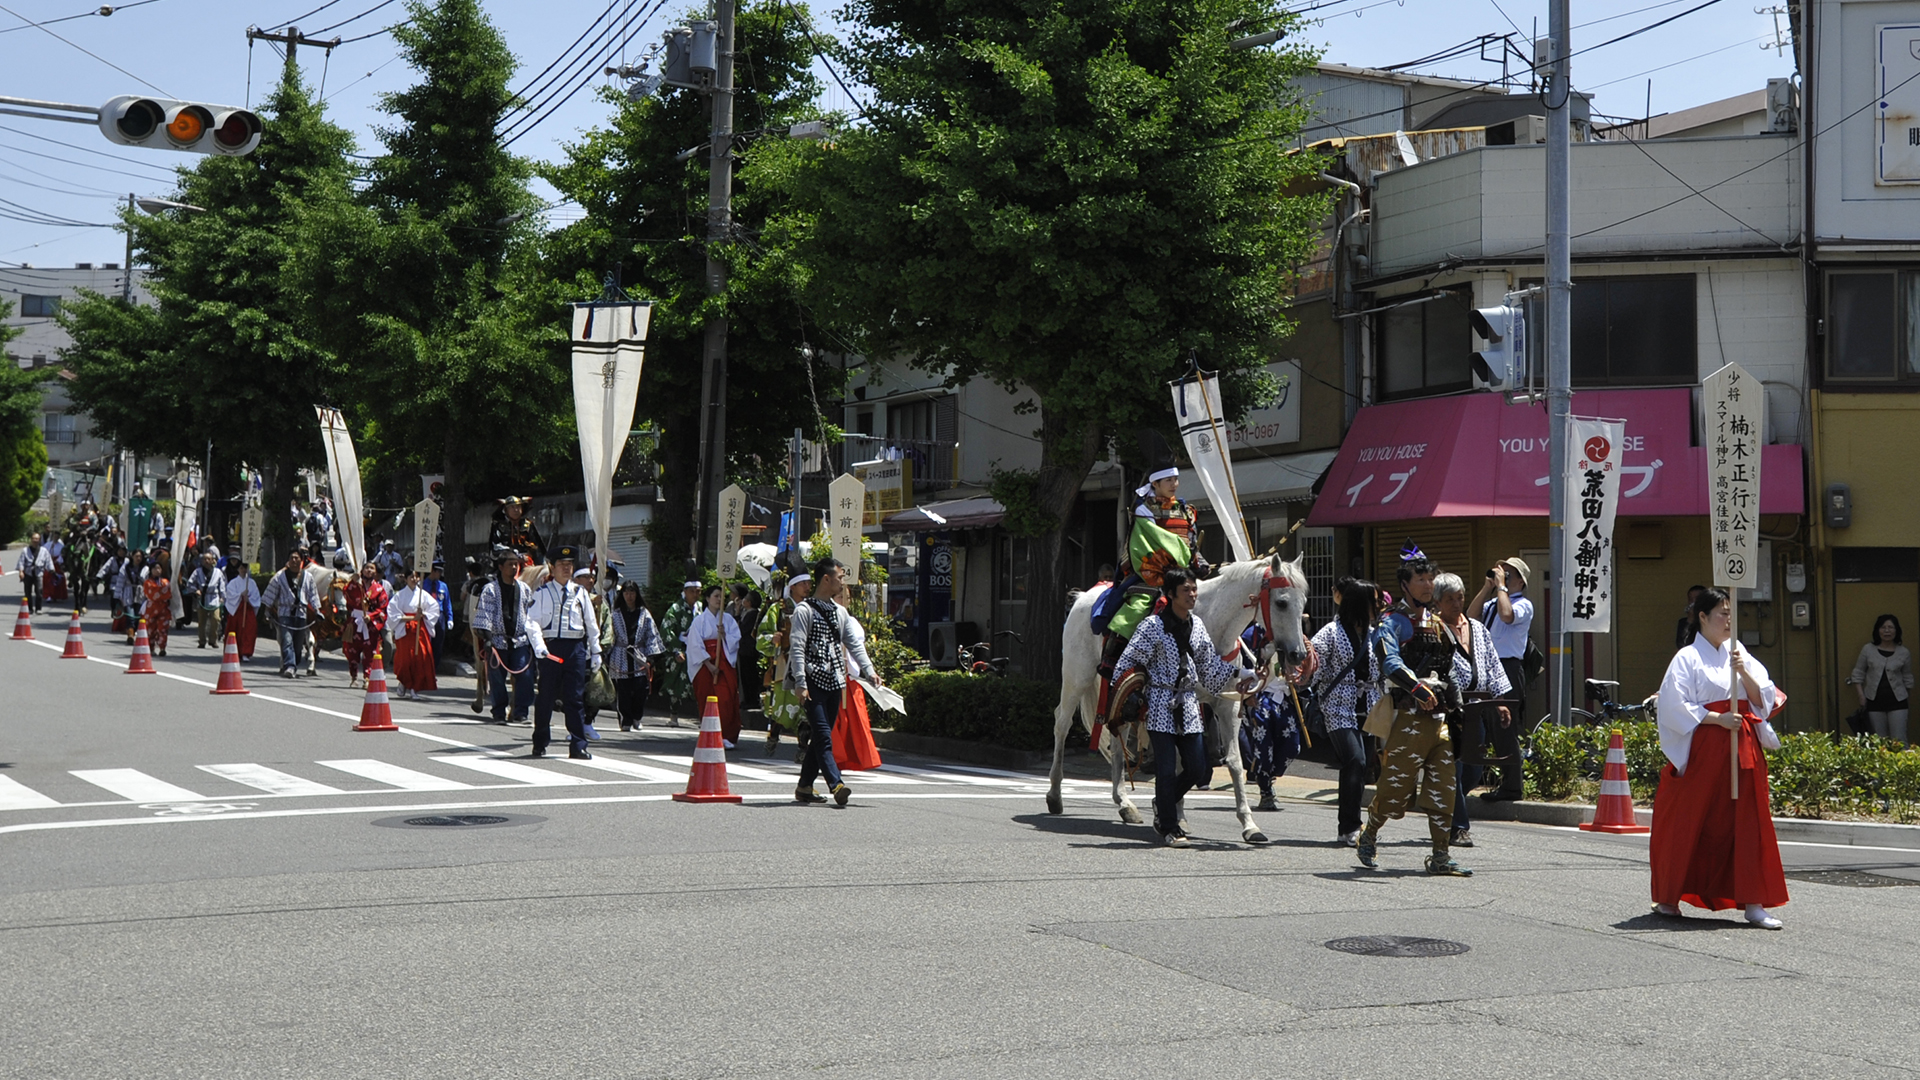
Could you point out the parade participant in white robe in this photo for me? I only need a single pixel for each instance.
(713, 651)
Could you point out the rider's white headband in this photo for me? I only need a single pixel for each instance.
(1163, 474)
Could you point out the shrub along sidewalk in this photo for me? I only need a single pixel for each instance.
(1012, 712)
(1816, 775)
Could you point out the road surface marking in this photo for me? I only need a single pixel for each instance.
(136, 785)
(734, 772)
(647, 773)
(15, 795)
(393, 775)
(509, 770)
(271, 781)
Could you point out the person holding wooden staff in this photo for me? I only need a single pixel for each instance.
(1713, 844)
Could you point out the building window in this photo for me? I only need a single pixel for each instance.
(911, 420)
(1013, 569)
(58, 428)
(38, 307)
(1426, 348)
(1873, 326)
(1635, 331)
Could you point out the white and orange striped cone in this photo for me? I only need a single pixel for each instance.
(376, 714)
(229, 668)
(76, 647)
(1614, 814)
(708, 782)
(23, 626)
(142, 662)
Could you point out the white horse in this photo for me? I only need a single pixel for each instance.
(1269, 589)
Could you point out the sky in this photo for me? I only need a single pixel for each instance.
(198, 50)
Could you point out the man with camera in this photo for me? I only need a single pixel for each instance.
(1507, 613)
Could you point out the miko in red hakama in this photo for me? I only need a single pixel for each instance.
(853, 745)
(413, 656)
(1709, 849)
(723, 682)
(244, 624)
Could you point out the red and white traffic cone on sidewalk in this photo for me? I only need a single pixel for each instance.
(142, 662)
(23, 626)
(76, 647)
(376, 714)
(1614, 814)
(229, 667)
(708, 783)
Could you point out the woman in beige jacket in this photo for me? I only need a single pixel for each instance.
(1883, 678)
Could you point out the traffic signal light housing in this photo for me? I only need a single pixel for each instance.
(163, 124)
(1502, 365)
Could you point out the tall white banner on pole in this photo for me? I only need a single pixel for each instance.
(1593, 497)
(1203, 427)
(343, 473)
(609, 346)
(184, 519)
(253, 530)
(1734, 404)
(846, 509)
(426, 533)
(733, 511)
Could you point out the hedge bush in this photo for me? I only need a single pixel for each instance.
(1813, 775)
(1013, 712)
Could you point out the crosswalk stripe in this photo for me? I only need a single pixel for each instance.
(509, 770)
(734, 771)
(387, 773)
(136, 785)
(866, 775)
(952, 778)
(630, 768)
(15, 795)
(271, 781)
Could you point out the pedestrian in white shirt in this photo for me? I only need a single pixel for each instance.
(564, 612)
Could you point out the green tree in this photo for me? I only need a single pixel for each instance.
(23, 452)
(1068, 197)
(426, 284)
(646, 212)
(223, 358)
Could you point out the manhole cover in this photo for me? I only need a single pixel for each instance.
(457, 821)
(1852, 879)
(1390, 945)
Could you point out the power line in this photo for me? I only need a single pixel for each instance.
(527, 87)
(357, 81)
(807, 29)
(356, 18)
(376, 33)
(55, 190)
(584, 70)
(47, 219)
(96, 56)
(1677, 63)
(169, 170)
(297, 18)
(99, 11)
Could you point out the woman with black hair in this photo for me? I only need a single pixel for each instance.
(1713, 844)
(636, 641)
(1885, 667)
(1347, 688)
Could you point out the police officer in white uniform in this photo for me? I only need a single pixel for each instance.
(564, 611)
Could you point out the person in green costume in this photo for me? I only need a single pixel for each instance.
(674, 682)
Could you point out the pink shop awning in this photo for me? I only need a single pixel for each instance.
(1476, 456)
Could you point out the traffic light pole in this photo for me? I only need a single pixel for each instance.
(713, 381)
(292, 39)
(1559, 339)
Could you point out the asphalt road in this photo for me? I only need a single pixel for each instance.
(205, 886)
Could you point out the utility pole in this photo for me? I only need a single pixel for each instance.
(292, 39)
(1559, 343)
(713, 381)
(126, 275)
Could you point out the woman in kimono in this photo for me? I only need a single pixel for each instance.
(367, 598)
(783, 708)
(632, 654)
(1710, 848)
(157, 590)
(411, 613)
(713, 653)
(241, 598)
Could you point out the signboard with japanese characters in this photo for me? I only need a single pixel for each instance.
(846, 507)
(426, 534)
(889, 489)
(1593, 498)
(1734, 405)
(253, 530)
(733, 511)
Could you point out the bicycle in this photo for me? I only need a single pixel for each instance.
(978, 659)
(1611, 710)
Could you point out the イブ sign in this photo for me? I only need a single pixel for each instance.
(1593, 497)
(1734, 403)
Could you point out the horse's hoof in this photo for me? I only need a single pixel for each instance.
(1255, 837)
(1054, 806)
(1131, 816)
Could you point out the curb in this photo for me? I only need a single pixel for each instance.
(1803, 830)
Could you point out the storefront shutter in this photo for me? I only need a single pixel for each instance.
(1448, 542)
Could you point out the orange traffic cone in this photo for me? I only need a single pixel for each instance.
(229, 667)
(23, 626)
(376, 714)
(142, 662)
(708, 783)
(76, 648)
(1615, 812)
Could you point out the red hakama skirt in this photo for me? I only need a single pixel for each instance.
(1709, 849)
(853, 746)
(723, 683)
(53, 585)
(244, 625)
(413, 657)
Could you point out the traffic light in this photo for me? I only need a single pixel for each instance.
(1502, 365)
(131, 120)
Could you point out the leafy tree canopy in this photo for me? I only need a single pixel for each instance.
(23, 453)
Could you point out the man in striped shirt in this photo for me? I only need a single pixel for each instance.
(822, 639)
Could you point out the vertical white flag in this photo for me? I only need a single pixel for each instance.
(1733, 401)
(343, 473)
(609, 346)
(1593, 497)
(1203, 427)
(184, 519)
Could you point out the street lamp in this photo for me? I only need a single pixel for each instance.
(154, 206)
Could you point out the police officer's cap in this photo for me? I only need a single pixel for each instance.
(566, 553)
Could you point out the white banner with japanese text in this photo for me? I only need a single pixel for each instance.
(1734, 402)
(1593, 498)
